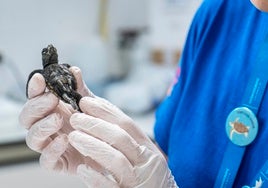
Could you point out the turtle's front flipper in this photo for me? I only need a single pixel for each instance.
(29, 78)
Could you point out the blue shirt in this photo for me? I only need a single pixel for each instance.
(216, 64)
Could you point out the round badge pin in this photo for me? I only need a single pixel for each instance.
(241, 126)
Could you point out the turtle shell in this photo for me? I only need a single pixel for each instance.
(240, 127)
(59, 79)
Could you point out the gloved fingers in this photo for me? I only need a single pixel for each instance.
(104, 154)
(109, 133)
(39, 134)
(92, 178)
(36, 85)
(51, 156)
(103, 109)
(65, 111)
(81, 86)
(37, 108)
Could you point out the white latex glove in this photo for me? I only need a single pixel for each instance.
(109, 137)
(47, 120)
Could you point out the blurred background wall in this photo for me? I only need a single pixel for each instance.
(124, 48)
(28, 26)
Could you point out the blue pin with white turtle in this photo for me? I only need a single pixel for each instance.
(241, 126)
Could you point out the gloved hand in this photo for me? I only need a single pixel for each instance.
(108, 134)
(47, 119)
(109, 137)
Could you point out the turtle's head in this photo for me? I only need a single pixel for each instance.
(49, 56)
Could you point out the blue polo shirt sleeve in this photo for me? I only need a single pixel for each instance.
(166, 111)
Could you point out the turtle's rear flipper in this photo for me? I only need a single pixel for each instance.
(77, 98)
(71, 101)
(29, 78)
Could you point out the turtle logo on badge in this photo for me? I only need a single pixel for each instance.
(238, 128)
(241, 126)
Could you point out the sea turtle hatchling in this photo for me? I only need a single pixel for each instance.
(59, 80)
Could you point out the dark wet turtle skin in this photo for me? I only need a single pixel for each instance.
(59, 80)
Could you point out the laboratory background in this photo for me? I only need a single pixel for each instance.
(127, 50)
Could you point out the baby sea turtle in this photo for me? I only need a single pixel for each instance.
(239, 128)
(59, 80)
